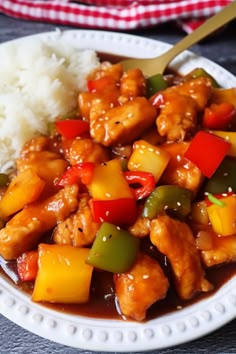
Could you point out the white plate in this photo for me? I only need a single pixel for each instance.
(109, 335)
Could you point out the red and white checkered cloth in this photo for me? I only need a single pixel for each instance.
(114, 14)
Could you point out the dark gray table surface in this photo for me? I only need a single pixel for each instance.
(221, 48)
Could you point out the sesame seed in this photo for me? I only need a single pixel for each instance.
(145, 276)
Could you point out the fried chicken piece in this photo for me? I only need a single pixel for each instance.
(85, 149)
(122, 124)
(178, 117)
(221, 250)
(179, 106)
(41, 143)
(180, 171)
(48, 165)
(107, 69)
(133, 83)
(25, 229)
(140, 287)
(199, 89)
(141, 227)
(78, 229)
(175, 240)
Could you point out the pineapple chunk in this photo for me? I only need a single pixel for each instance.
(63, 274)
(148, 158)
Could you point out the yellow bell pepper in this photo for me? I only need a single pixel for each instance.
(63, 274)
(221, 95)
(108, 182)
(223, 218)
(148, 158)
(230, 137)
(25, 188)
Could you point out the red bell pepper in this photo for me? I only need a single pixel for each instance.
(218, 116)
(101, 84)
(207, 151)
(71, 128)
(82, 171)
(121, 211)
(27, 265)
(145, 179)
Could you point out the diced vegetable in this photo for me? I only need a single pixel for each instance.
(148, 158)
(230, 137)
(220, 95)
(104, 83)
(63, 274)
(199, 213)
(27, 265)
(207, 151)
(114, 249)
(109, 182)
(201, 72)
(156, 83)
(145, 179)
(71, 128)
(168, 198)
(223, 218)
(25, 188)
(218, 116)
(121, 211)
(82, 171)
(224, 178)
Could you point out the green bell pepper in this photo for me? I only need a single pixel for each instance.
(224, 178)
(168, 198)
(200, 72)
(156, 83)
(114, 249)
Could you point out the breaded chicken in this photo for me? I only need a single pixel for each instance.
(179, 106)
(199, 89)
(141, 227)
(222, 250)
(133, 83)
(85, 149)
(175, 240)
(25, 229)
(180, 171)
(178, 117)
(78, 229)
(122, 124)
(140, 287)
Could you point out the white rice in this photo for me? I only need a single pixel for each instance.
(38, 82)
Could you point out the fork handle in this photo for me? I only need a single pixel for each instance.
(209, 26)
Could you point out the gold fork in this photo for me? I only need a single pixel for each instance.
(159, 64)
